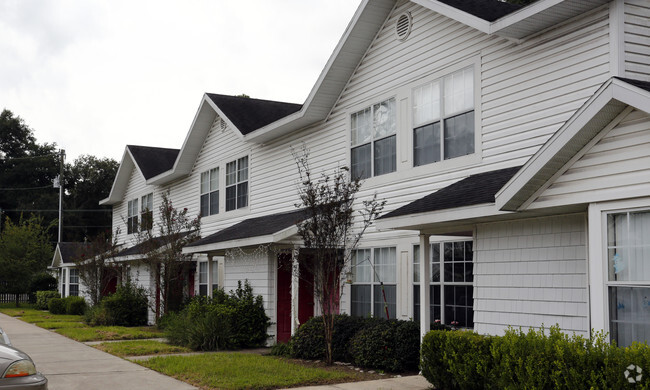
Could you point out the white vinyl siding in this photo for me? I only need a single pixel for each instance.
(531, 272)
(616, 167)
(637, 44)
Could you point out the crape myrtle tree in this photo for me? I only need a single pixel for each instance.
(330, 233)
(162, 244)
(96, 269)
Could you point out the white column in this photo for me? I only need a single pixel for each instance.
(295, 288)
(425, 271)
(210, 281)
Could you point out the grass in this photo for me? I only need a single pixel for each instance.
(73, 326)
(140, 348)
(244, 371)
(101, 333)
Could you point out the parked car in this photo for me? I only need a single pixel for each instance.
(17, 369)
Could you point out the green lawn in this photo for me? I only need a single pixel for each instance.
(73, 326)
(235, 370)
(140, 348)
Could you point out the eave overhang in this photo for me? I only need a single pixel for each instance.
(609, 101)
(221, 247)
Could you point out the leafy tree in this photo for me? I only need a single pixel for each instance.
(162, 247)
(25, 250)
(87, 181)
(328, 233)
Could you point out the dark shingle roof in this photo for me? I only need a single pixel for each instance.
(149, 245)
(473, 190)
(489, 10)
(251, 114)
(71, 251)
(637, 83)
(255, 227)
(153, 161)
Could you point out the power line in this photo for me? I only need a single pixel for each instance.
(25, 189)
(28, 157)
(65, 211)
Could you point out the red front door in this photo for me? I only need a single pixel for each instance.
(284, 298)
(305, 295)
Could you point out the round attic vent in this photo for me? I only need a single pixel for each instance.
(403, 26)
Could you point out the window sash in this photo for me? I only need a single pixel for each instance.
(209, 193)
(237, 184)
(373, 140)
(371, 267)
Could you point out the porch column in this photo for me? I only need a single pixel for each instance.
(295, 288)
(425, 271)
(210, 281)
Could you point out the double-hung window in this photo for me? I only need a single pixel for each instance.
(203, 277)
(450, 283)
(374, 140)
(374, 290)
(132, 217)
(74, 282)
(146, 212)
(237, 184)
(443, 118)
(628, 276)
(210, 192)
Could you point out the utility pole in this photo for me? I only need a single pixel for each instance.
(61, 194)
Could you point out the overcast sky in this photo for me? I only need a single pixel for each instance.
(95, 75)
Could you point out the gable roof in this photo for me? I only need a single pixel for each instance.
(488, 10)
(265, 229)
(68, 252)
(153, 161)
(599, 111)
(248, 114)
(473, 190)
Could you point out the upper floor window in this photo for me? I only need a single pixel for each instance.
(210, 192)
(237, 184)
(443, 118)
(146, 212)
(373, 142)
(132, 217)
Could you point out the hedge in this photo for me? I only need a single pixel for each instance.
(43, 298)
(535, 359)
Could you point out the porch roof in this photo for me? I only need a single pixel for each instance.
(66, 252)
(253, 231)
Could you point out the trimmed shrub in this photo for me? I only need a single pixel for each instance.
(237, 320)
(281, 349)
(56, 306)
(43, 298)
(534, 359)
(390, 345)
(75, 305)
(97, 316)
(127, 307)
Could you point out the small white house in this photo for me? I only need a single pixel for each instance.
(512, 145)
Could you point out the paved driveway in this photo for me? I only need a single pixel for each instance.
(69, 365)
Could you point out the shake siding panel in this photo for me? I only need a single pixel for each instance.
(527, 283)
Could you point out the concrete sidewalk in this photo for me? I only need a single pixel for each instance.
(70, 365)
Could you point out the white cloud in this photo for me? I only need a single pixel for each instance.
(94, 75)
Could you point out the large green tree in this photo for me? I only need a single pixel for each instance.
(25, 251)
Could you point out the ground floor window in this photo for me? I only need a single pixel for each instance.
(374, 289)
(63, 282)
(203, 277)
(628, 276)
(74, 282)
(451, 288)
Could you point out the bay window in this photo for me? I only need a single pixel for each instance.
(374, 140)
(628, 276)
(443, 118)
(237, 184)
(450, 283)
(209, 192)
(374, 290)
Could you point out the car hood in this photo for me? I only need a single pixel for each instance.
(9, 355)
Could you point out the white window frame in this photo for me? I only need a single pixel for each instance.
(146, 212)
(209, 188)
(374, 283)
(74, 282)
(373, 139)
(597, 256)
(132, 215)
(441, 283)
(238, 181)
